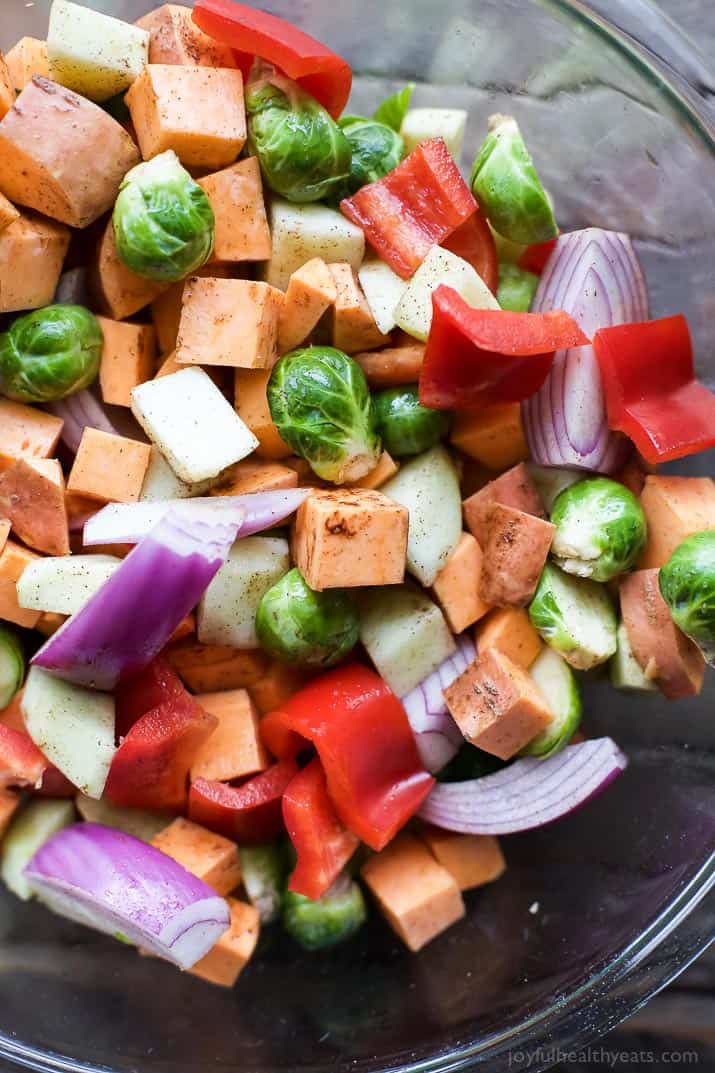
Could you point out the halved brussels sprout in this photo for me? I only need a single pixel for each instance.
(330, 920)
(263, 872)
(407, 427)
(12, 665)
(376, 149)
(575, 616)
(306, 628)
(163, 220)
(393, 109)
(687, 584)
(320, 402)
(50, 353)
(303, 153)
(600, 529)
(558, 686)
(505, 182)
(517, 287)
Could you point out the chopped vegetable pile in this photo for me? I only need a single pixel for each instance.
(323, 475)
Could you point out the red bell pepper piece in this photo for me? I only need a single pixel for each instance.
(249, 813)
(157, 684)
(324, 74)
(534, 258)
(474, 242)
(321, 842)
(482, 357)
(150, 769)
(280, 740)
(651, 391)
(21, 762)
(375, 777)
(414, 207)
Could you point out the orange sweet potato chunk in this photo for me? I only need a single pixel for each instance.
(236, 196)
(175, 38)
(32, 252)
(26, 432)
(34, 502)
(120, 292)
(109, 468)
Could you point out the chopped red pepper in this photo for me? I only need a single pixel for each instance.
(324, 74)
(150, 769)
(534, 258)
(155, 685)
(651, 391)
(21, 762)
(360, 729)
(483, 357)
(249, 813)
(474, 242)
(280, 740)
(416, 206)
(321, 842)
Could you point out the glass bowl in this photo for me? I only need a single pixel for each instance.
(597, 912)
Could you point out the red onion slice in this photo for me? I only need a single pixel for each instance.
(437, 735)
(595, 276)
(528, 793)
(128, 523)
(80, 411)
(128, 621)
(114, 883)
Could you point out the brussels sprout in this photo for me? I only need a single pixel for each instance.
(600, 529)
(303, 153)
(575, 616)
(376, 149)
(12, 665)
(505, 182)
(625, 670)
(320, 402)
(393, 109)
(407, 427)
(330, 920)
(263, 872)
(306, 628)
(517, 287)
(558, 686)
(50, 353)
(687, 583)
(163, 220)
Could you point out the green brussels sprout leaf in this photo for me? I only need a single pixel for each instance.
(600, 529)
(575, 617)
(505, 182)
(687, 584)
(320, 402)
(558, 686)
(306, 628)
(407, 427)
(303, 153)
(517, 287)
(376, 149)
(263, 873)
(50, 353)
(163, 221)
(330, 920)
(394, 108)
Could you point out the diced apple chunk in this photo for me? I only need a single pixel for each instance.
(92, 53)
(439, 268)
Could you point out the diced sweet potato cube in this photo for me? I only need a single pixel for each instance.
(311, 290)
(353, 326)
(675, 508)
(49, 622)
(473, 860)
(7, 88)
(4, 532)
(128, 358)
(26, 59)
(252, 407)
(8, 213)
(196, 111)
(175, 38)
(120, 292)
(249, 476)
(509, 631)
(276, 685)
(32, 252)
(35, 505)
(306, 477)
(26, 432)
(494, 435)
(13, 560)
(515, 488)
(664, 653)
(236, 196)
(62, 155)
(166, 309)
(234, 749)
(205, 854)
(418, 896)
(9, 802)
(386, 467)
(349, 538)
(168, 366)
(109, 468)
(496, 705)
(11, 716)
(224, 963)
(392, 366)
(515, 546)
(210, 668)
(186, 628)
(230, 322)
(457, 586)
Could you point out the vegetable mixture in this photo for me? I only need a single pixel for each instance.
(324, 474)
